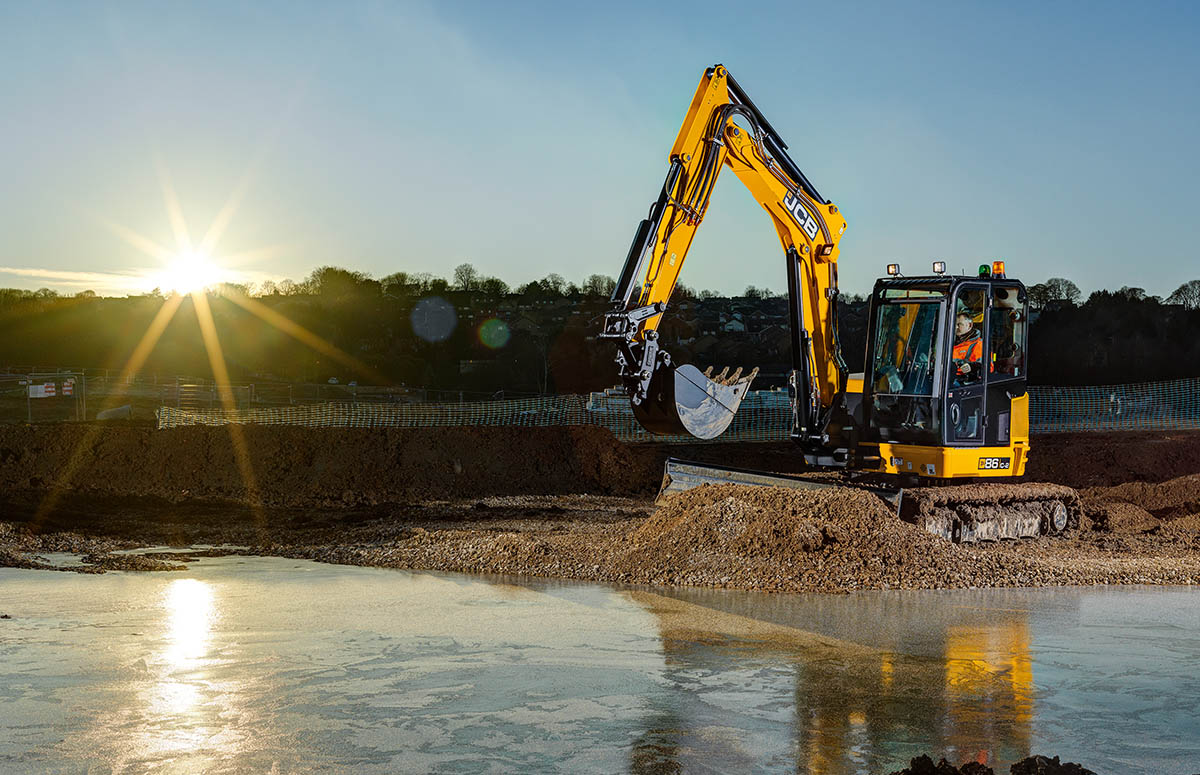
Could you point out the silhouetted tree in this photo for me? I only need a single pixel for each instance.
(1062, 289)
(599, 285)
(494, 287)
(555, 283)
(1187, 294)
(466, 278)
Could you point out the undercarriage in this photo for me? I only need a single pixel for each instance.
(962, 513)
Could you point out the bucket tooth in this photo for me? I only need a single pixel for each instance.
(734, 376)
(708, 372)
(720, 378)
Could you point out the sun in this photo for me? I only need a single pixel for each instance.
(188, 272)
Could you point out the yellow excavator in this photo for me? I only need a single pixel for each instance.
(943, 397)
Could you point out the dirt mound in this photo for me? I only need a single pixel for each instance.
(1115, 516)
(1141, 507)
(824, 540)
(332, 467)
(1167, 501)
(1082, 460)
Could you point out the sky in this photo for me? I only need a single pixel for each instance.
(527, 138)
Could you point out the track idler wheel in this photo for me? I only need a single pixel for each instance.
(684, 400)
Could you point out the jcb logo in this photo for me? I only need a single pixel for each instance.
(994, 463)
(796, 209)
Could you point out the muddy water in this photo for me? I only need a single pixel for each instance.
(272, 665)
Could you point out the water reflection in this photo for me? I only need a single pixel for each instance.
(964, 689)
(258, 664)
(189, 605)
(182, 705)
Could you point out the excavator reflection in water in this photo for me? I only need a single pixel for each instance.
(918, 414)
(966, 694)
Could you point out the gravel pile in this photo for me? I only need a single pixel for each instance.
(837, 539)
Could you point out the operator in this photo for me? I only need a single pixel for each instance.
(968, 349)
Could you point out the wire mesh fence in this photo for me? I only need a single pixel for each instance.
(765, 415)
(1172, 405)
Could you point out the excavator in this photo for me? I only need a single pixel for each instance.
(939, 419)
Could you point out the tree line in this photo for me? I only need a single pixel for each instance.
(539, 336)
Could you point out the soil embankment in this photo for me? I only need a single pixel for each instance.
(294, 467)
(569, 502)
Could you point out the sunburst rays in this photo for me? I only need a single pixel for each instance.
(304, 336)
(243, 459)
(237, 438)
(137, 359)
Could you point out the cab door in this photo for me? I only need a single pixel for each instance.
(965, 419)
(1006, 355)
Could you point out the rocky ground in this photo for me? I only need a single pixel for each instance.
(570, 503)
(1033, 765)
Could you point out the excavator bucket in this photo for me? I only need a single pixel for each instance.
(684, 400)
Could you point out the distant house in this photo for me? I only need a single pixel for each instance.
(774, 339)
(675, 331)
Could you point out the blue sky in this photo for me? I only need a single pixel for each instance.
(529, 138)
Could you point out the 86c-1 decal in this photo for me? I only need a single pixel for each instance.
(994, 463)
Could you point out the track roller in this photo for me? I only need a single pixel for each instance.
(992, 512)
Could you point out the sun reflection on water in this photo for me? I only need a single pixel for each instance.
(189, 605)
(180, 703)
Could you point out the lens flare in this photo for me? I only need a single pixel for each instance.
(434, 319)
(494, 333)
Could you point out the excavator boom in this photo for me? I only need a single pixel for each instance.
(724, 129)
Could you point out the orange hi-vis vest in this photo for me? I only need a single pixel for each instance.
(969, 350)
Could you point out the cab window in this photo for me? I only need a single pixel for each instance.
(967, 350)
(1007, 328)
(905, 348)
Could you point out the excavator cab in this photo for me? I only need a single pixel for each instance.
(945, 376)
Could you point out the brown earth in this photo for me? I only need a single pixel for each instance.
(568, 502)
(328, 467)
(1082, 460)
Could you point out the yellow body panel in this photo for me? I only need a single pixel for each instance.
(1019, 428)
(954, 462)
(951, 462)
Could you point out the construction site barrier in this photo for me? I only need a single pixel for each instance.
(765, 415)
(1159, 406)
